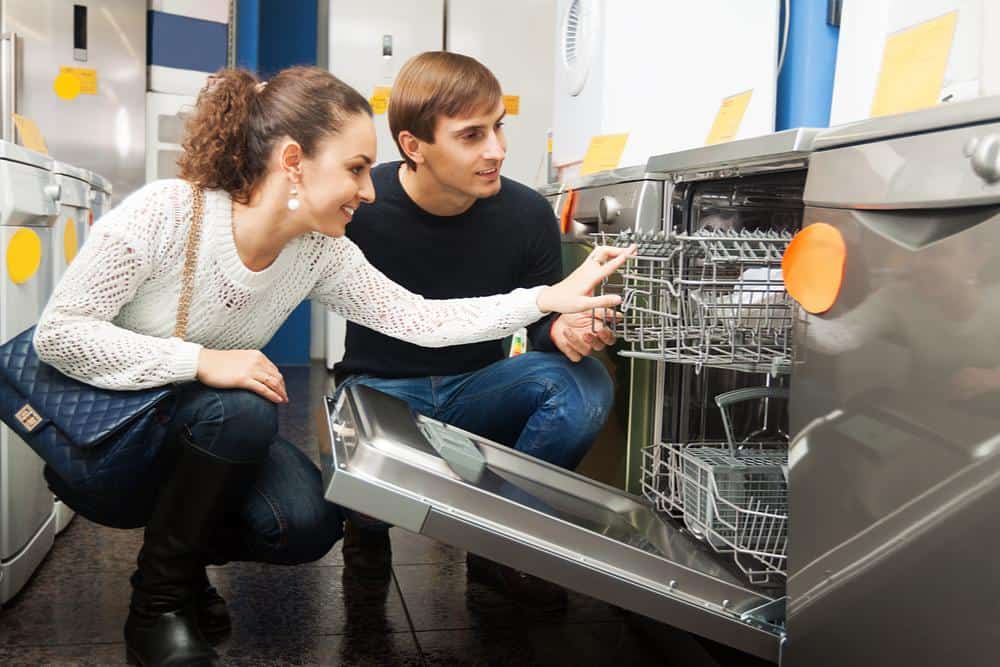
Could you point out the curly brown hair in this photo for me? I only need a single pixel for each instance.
(237, 121)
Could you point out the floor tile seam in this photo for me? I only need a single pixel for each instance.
(533, 624)
(60, 645)
(409, 618)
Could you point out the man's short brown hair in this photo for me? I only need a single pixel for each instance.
(435, 84)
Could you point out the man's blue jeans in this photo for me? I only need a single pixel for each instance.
(539, 403)
(284, 519)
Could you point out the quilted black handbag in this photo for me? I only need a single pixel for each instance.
(91, 438)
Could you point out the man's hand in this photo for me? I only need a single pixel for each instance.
(579, 334)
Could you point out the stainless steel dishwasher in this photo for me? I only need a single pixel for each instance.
(630, 199)
(878, 513)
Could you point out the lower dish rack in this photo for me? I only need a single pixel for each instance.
(734, 496)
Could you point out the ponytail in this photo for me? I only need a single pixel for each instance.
(237, 121)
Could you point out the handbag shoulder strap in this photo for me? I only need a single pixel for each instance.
(190, 261)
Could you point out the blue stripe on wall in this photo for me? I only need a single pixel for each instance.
(248, 34)
(287, 34)
(186, 43)
(270, 36)
(805, 87)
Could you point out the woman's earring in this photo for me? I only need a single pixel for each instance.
(293, 200)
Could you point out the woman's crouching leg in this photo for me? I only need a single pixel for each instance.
(287, 521)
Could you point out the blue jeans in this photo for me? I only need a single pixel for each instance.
(284, 519)
(539, 403)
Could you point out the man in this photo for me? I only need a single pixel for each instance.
(446, 224)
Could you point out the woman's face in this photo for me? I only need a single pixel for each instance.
(336, 180)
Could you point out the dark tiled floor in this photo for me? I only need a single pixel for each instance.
(72, 611)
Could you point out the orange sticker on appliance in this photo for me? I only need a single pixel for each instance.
(380, 99)
(604, 153)
(913, 65)
(512, 103)
(813, 267)
(24, 255)
(87, 78)
(31, 136)
(568, 209)
(727, 121)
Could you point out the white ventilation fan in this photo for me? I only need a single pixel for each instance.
(579, 39)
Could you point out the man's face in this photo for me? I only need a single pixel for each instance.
(467, 153)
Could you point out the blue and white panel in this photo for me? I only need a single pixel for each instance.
(187, 41)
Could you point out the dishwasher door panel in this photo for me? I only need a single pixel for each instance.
(895, 410)
(381, 459)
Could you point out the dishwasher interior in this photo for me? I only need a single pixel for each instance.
(704, 299)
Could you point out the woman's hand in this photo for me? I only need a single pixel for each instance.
(572, 295)
(242, 369)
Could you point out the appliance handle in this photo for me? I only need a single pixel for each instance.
(8, 85)
(724, 401)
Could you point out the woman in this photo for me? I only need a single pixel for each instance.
(281, 167)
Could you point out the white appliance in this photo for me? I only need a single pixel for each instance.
(369, 42)
(659, 71)
(28, 211)
(526, 72)
(100, 123)
(973, 68)
(367, 45)
(165, 118)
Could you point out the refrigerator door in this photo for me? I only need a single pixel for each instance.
(414, 472)
(102, 126)
(894, 472)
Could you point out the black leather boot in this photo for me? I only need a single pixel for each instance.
(367, 549)
(210, 611)
(162, 626)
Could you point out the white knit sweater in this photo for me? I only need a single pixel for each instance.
(110, 319)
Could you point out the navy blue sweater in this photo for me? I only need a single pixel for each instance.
(508, 241)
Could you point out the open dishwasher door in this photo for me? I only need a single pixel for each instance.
(380, 458)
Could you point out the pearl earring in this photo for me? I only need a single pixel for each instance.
(293, 200)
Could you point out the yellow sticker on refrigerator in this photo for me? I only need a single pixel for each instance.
(913, 66)
(380, 99)
(70, 241)
(727, 121)
(24, 255)
(512, 104)
(74, 81)
(604, 153)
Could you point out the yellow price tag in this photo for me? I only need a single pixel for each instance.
(31, 136)
(913, 66)
(728, 119)
(380, 99)
(86, 77)
(512, 103)
(604, 153)
(24, 255)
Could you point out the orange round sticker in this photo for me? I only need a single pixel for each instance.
(813, 267)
